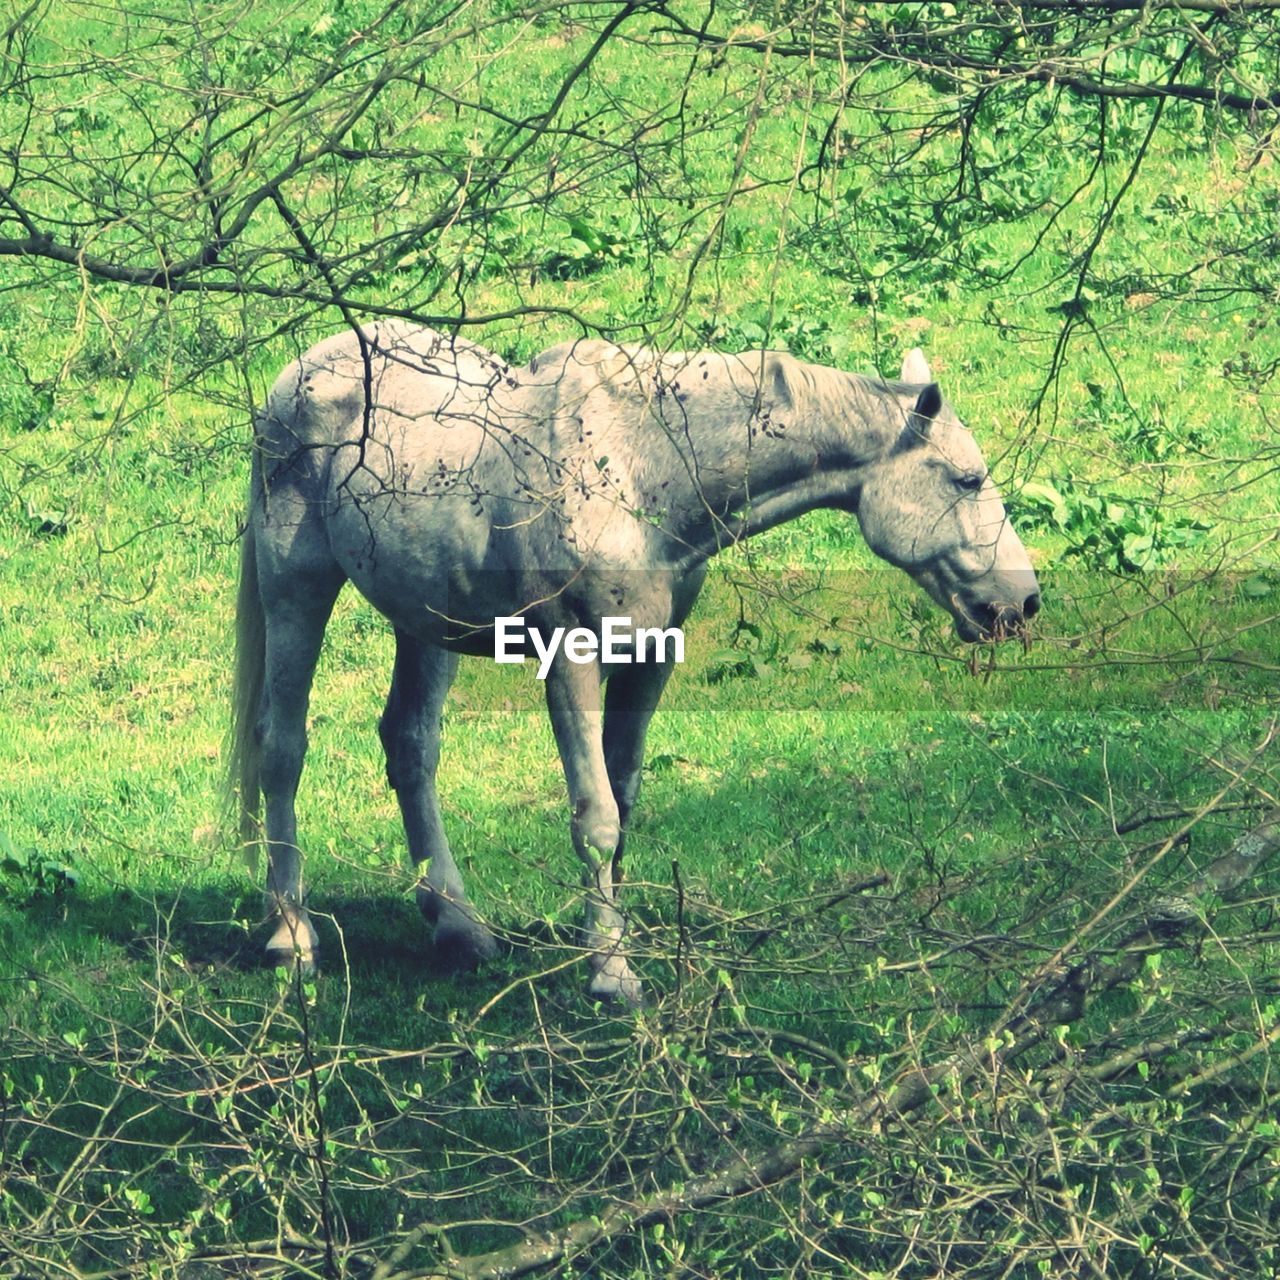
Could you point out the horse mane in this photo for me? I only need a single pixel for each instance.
(632, 374)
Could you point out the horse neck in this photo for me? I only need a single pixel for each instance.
(749, 469)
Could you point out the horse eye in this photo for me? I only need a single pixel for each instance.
(971, 482)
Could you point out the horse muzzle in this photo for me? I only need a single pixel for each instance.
(992, 621)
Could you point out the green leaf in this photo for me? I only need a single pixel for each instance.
(1048, 498)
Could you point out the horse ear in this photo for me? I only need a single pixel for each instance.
(929, 402)
(928, 405)
(915, 368)
(778, 378)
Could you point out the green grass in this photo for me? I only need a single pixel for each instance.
(850, 741)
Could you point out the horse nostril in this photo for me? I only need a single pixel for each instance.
(1000, 619)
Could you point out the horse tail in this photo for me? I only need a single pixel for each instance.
(244, 749)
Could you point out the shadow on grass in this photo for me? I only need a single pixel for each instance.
(765, 839)
(89, 942)
(219, 928)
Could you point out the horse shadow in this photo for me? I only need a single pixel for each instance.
(378, 937)
(220, 929)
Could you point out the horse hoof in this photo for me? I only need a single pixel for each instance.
(622, 991)
(293, 944)
(306, 963)
(463, 946)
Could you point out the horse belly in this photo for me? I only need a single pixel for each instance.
(421, 561)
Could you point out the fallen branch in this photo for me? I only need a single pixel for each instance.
(1168, 919)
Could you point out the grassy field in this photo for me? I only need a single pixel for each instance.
(835, 800)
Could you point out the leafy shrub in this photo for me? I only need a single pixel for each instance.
(25, 875)
(589, 248)
(808, 337)
(1104, 529)
(1144, 434)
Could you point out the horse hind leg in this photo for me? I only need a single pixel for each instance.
(410, 731)
(295, 618)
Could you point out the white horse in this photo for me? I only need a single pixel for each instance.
(595, 482)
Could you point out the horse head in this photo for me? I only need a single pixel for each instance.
(929, 506)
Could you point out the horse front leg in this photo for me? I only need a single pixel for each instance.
(631, 697)
(410, 731)
(573, 699)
